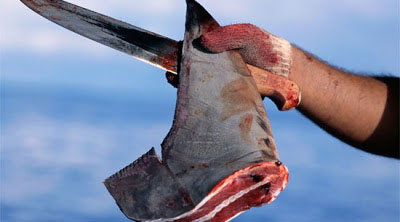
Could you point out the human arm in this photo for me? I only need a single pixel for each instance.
(359, 110)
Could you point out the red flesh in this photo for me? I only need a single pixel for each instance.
(258, 175)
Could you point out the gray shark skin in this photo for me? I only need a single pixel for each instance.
(219, 158)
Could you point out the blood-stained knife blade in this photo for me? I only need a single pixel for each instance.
(150, 47)
(147, 46)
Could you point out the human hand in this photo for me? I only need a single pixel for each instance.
(257, 47)
(268, 58)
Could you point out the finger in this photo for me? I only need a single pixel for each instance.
(231, 37)
(172, 79)
(283, 92)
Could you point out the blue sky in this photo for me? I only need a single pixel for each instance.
(73, 111)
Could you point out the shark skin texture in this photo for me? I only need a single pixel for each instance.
(219, 158)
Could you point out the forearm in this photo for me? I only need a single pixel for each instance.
(349, 106)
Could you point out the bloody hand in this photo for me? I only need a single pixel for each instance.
(257, 47)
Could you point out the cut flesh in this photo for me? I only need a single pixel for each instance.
(219, 158)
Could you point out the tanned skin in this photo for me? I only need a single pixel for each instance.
(359, 110)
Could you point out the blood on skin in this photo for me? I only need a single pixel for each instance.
(292, 98)
(186, 198)
(273, 58)
(171, 203)
(286, 88)
(187, 66)
(203, 165)
(245, 124)
(208, 25)
(56, 18)
(308, 57)
(237, 97)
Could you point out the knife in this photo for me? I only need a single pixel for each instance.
(150, 47)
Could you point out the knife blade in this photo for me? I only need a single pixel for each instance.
(150, 47)
(144, 45)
